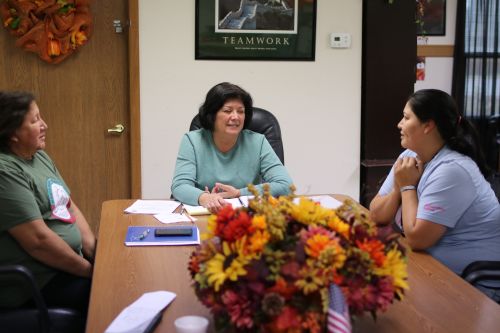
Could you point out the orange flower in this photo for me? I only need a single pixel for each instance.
(312, 322)
(258, 240)
(375, 248)
(287, 290)
(317, 243)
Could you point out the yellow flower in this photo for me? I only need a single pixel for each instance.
(211, 227)
(309, 212)
(259, 222)
(310, 280)
(339, 226)
(226, 265)
(395, 266)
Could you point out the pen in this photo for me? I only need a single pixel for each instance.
(143, 235)
(184, 211)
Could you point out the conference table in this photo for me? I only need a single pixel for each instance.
(438, 300)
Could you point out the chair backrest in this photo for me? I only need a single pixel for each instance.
(263, 122)
(38, 318)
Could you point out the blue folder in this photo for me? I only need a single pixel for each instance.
(145, 236)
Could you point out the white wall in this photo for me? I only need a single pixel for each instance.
(317, 103)
(439, 71)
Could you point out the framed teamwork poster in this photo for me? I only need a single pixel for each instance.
(431, 17)
(255, 29)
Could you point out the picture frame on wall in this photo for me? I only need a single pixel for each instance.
(255, 30)
(431, 17)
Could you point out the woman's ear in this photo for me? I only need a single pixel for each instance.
(429, 126)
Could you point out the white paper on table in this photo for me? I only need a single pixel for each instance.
(136, 317)
(244, 199)
(235, 202)
(173, 218)
(324, 200)
(152, 207)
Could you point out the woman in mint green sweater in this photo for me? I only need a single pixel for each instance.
(221, 159)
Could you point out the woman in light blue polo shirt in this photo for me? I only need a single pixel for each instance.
(437, 191)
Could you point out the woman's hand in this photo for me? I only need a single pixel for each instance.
(407, 171)
(226, 191)
(212, 201)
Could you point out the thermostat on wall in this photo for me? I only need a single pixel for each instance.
(340, 40)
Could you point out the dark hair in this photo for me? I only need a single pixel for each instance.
(217, 96)
(456, 131)
(14, 105)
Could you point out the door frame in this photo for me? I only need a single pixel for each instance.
(134, 100)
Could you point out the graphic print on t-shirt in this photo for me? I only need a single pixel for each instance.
(59, 201)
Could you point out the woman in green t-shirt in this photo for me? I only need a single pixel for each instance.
(41, 227)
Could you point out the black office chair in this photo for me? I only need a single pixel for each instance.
(481, 270)
(40, 318)
(263, 122)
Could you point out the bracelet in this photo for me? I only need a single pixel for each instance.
(407, 188)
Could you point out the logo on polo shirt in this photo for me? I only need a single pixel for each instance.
(59, 201)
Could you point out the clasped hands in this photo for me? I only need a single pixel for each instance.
(213, 199)
(407, 171)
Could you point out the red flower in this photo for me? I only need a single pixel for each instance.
(231, 224)
(238, 308)
(368, 297)
(289, 320)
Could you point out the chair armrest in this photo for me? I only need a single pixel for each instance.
(23, 274)
(482, 270)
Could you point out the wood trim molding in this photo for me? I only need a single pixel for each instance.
(435, 50)
(134, 100)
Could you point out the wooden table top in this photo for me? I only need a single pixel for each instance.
(438, 300)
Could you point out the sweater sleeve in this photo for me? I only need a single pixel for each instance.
(184, 182)
(272, 171)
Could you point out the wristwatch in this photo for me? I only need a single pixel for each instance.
(407, 188)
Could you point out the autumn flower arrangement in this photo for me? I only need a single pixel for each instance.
(267, 267)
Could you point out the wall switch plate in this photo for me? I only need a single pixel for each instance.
(340, 40)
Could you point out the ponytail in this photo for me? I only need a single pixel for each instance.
(466, 142)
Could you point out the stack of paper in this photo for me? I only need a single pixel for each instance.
(235, 202)
(152, 207)
(143, 314)
(196, 210)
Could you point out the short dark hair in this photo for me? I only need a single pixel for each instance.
(456, 131)
(217, 96)
(14, 105)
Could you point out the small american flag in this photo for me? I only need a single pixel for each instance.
(338, 320)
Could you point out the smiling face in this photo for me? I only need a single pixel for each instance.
(411, 128)
(229, 120)
(30, 136)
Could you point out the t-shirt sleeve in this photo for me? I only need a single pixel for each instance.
(17, 201)
(446, 195)
(184, 182)
(388, 184)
